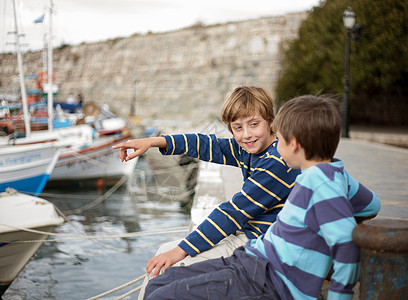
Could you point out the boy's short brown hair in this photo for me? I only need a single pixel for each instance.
(246, 101)
(314, 121)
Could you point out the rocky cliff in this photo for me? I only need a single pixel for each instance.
(178, 78)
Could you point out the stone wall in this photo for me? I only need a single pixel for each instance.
(179, 78)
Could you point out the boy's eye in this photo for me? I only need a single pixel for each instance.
(254, 124)
(237, 128)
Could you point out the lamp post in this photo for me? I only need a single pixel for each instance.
(349, 18)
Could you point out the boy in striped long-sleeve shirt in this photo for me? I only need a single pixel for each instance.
(248, 112)
(312, 234)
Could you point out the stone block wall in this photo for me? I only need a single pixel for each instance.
(173, 79)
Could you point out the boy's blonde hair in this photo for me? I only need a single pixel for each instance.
(314, 122)
(247, 101)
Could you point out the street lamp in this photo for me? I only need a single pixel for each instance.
(349, 18)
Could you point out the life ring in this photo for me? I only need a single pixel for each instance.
(90, 109)
(44, 76)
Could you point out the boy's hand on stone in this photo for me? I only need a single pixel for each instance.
(165, 260)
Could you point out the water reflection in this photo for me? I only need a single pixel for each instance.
(83, 268)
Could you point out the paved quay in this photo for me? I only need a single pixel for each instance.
(380, 167)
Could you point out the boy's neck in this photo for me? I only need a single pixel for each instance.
(310, 163)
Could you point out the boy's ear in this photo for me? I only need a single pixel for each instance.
(294, 144)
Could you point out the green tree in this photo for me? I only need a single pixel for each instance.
(314, 63)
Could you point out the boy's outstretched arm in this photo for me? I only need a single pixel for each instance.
(139, 146)
(165, 260)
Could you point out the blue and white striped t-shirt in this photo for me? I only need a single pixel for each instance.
(314, 231)
(267, 181)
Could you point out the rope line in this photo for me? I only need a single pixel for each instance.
(93, 161)
(73, 237)
(99, 199)
(174, 193)
(67, 237)
(119, 288)
(129, 293)
(82, 231)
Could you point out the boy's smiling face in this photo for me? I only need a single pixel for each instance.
(252, 133)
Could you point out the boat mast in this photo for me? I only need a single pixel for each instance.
(50, 94)
(21, 74)
(44, 55)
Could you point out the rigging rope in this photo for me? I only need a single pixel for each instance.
(129, 293)
(69, 237)
(99, 199)
(93, 161)
(173, 194)
(119, 288)
(81, 230)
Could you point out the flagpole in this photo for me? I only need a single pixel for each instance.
(50, 95)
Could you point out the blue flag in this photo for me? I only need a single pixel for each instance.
(40, 19)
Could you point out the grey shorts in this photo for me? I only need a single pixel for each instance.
(240, 276)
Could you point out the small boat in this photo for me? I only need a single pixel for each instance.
(27, 168)
(20, 216)
(87, 155)
(96, 161)
(88, 132)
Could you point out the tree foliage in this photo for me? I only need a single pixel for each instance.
(314, 63)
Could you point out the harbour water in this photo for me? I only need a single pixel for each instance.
(81, 268)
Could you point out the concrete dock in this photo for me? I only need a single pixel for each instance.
(380, 167)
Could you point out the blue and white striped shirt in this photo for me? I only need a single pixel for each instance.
(314, 231)
(267, 183)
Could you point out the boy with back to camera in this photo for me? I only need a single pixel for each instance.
(248, 112)
(312, 233)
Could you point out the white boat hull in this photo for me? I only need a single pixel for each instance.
(86, 157)
(96, 161)
(13, 257)
(27, 168)
(19, 212)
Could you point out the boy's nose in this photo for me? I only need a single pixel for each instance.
(247, 132)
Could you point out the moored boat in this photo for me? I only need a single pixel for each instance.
(22, 218)
(96, 161)
(88, 154)
(27, 168)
